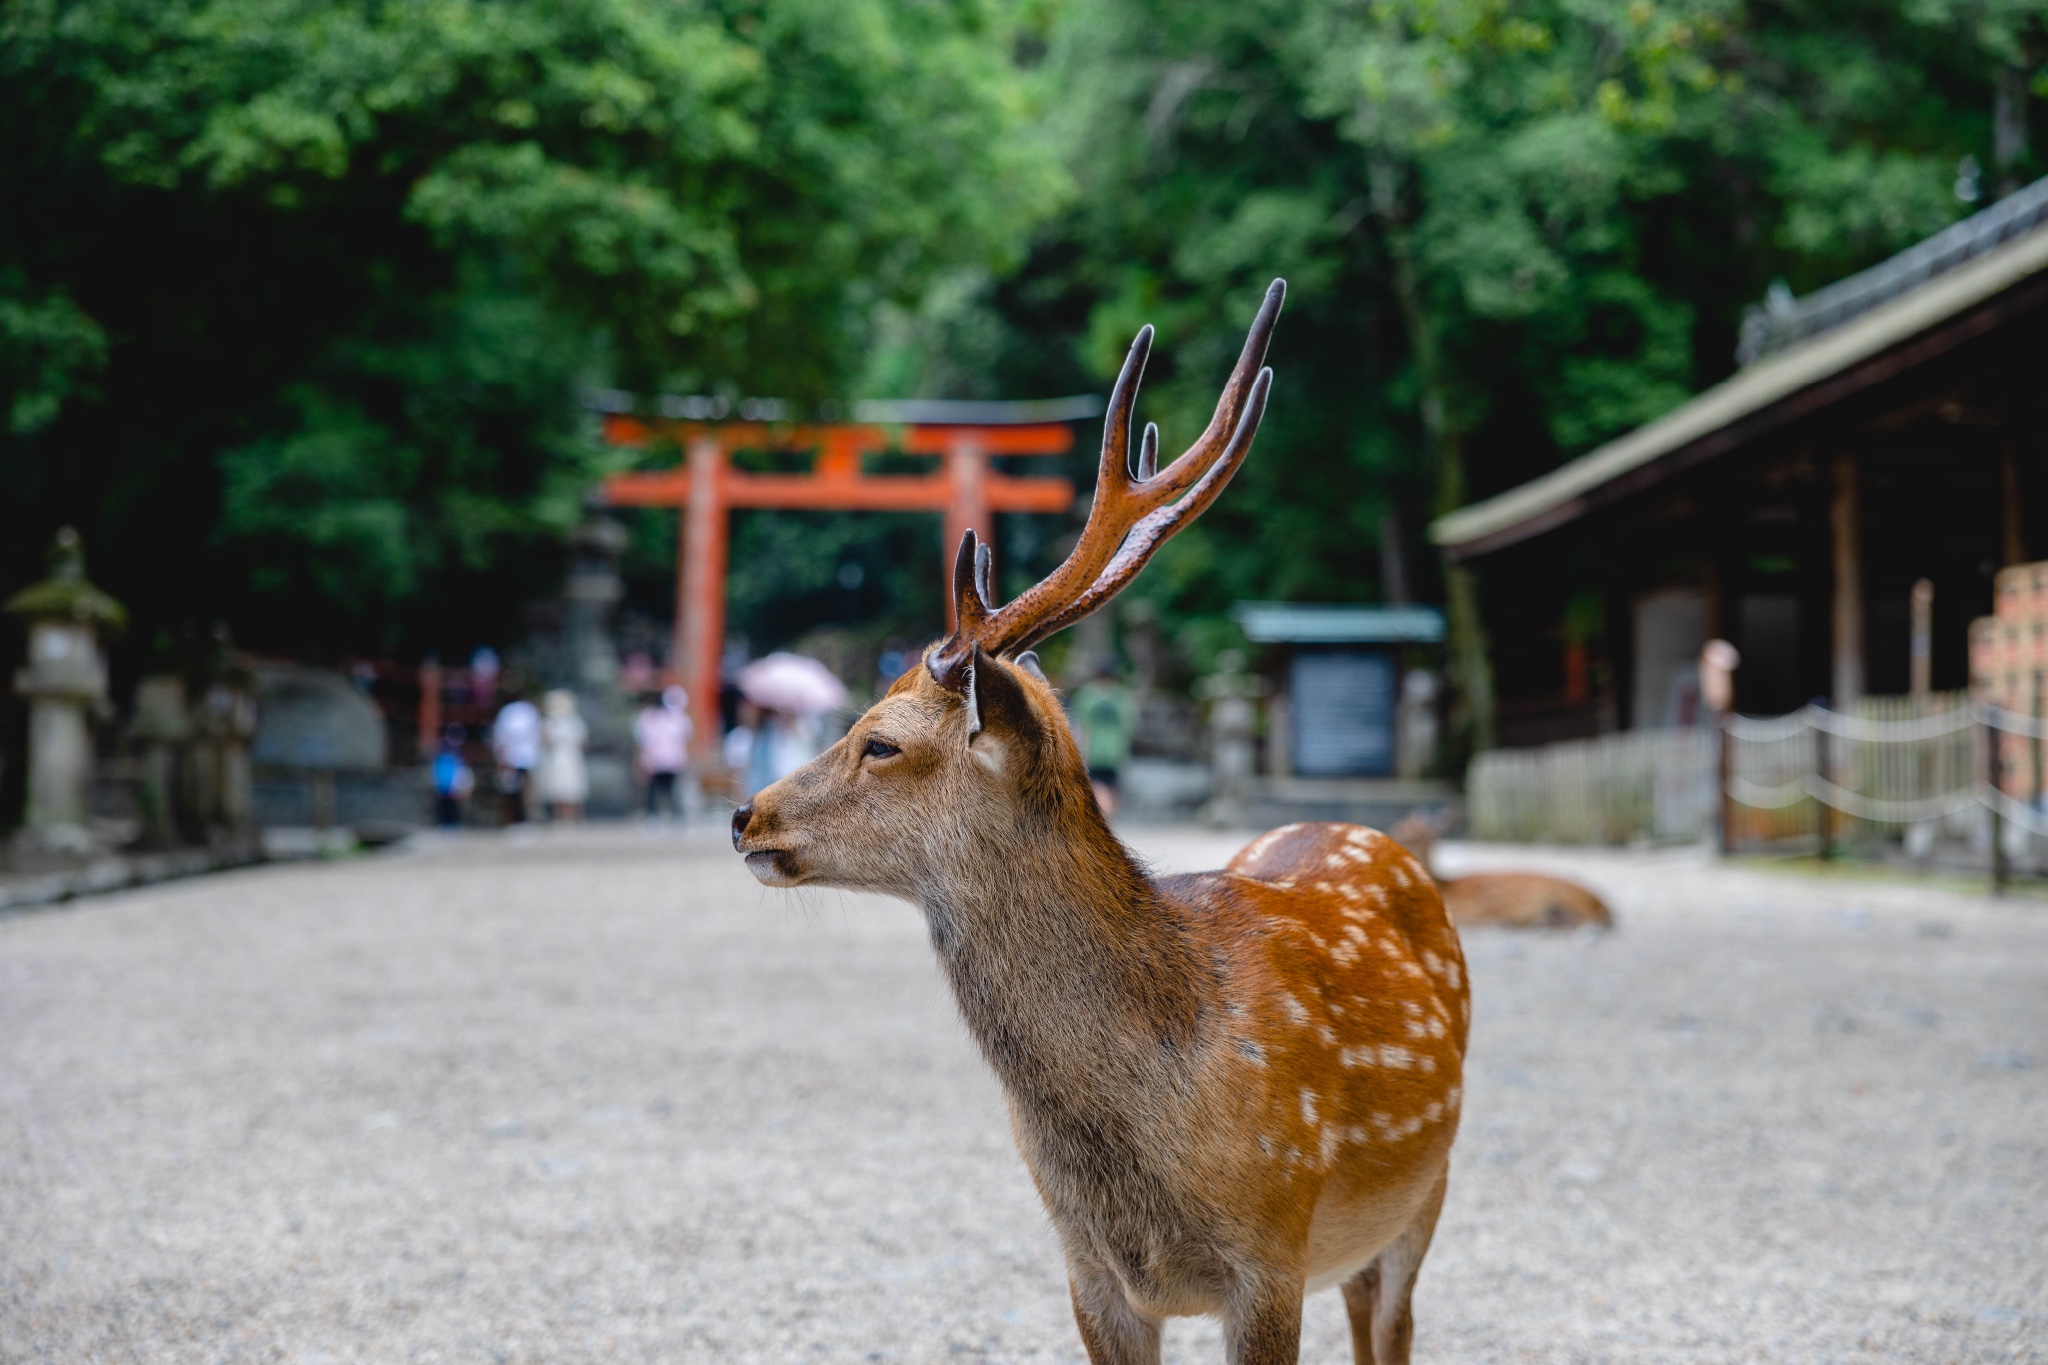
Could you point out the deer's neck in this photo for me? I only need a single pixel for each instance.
(1077, 978)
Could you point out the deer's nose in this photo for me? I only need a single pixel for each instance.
(740, 818)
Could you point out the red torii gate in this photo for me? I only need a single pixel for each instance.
(706, 487)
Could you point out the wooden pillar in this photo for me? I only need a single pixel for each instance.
(429, 720)
(1920, 667)
(700, 595)
(2015, 519)
(1845, 515)
(966, 505)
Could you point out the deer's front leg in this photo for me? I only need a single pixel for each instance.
(1262, 1326)
(1114, 1332)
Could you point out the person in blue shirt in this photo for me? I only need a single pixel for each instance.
(453, 780)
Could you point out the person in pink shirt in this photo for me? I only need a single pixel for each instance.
(661, 737)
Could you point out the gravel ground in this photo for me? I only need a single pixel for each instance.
(596, 1097)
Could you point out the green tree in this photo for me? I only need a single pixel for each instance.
(297, 296)
(1513, 232)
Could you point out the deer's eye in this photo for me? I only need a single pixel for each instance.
(879, 748)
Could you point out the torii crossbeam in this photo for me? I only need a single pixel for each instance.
(706, 488)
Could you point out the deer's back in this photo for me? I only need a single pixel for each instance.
(1523, 900)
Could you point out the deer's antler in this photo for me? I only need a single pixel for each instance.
(1129, 519)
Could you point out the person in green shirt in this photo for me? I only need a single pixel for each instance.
(1106, 714)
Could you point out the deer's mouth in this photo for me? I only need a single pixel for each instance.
(773, 866)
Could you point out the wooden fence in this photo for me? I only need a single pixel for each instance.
(1661, 785)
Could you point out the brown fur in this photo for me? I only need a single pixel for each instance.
(1229, 1087)
(1517, 900)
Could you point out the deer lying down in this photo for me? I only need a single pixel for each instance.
(1519, 900)
(1230, 1087)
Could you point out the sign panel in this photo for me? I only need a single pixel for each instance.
(1341, 708)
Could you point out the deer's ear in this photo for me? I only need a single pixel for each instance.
(997, 705)
(1028, 661)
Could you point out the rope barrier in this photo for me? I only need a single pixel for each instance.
(1767, 729)
(1880, 810)
(1759, 797)
(1814, 786)
(1906, 731)
(2013, 722)
(2011, 808)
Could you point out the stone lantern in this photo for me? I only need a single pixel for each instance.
(64, 680)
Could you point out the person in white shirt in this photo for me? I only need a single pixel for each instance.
(515, 743)
(661, 737)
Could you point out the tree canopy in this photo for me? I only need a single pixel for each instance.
(297, 295)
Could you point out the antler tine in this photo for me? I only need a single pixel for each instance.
(1157, 526)
(1195, 461)
(1128, 519)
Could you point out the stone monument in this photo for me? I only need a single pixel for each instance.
(1232, 695)
(65, 681)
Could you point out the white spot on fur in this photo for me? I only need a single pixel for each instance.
(1258, 846)
(1331, 1137)
(1399, 1058)
(1433, 962)
(1265, 1144)
(1400, 876)
(1429, 1065)
(1452, 974)
(1453, 1096)
(1417, 1029)
(1329, 1035)
(1293, 1008)
(1434, 1112)
(1308, 1106)
(1335, 860)
(1252, 1052)
(1359, 1056)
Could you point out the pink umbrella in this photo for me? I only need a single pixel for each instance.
(795, 683)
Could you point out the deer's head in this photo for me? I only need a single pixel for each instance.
(971, 747)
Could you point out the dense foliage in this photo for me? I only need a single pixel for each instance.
(295, 295)
(1513, 231)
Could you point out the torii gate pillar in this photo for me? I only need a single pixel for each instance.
(700, 588)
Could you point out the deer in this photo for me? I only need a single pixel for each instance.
(1230, 1088)
(1515, 900)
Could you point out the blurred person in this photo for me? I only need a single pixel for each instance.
(661, 741)
(484, 669)
(453, 780)
(564, 780)
(737, 749)
(515, 743)
(1106, 714)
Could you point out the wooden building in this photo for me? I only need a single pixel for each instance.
(1888, 428)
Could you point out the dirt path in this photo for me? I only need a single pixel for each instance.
(599, 1098)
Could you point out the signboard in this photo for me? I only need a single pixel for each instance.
(1341, 710)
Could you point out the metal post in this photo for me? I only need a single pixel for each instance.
(1825, 812)
(1989, 747)
(1725, 768)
